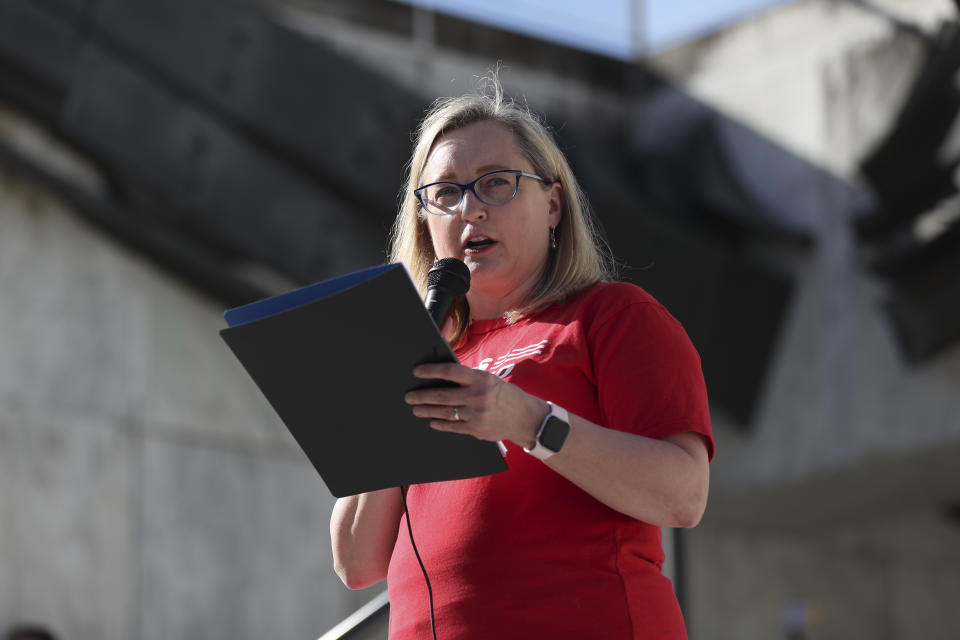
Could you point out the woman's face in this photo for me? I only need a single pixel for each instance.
(505, 246)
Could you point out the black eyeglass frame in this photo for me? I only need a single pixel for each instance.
(470, 185)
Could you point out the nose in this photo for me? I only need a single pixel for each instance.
(471, 208)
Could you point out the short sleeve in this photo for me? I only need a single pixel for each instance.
(648, 374)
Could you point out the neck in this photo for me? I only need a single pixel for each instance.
(486, 306)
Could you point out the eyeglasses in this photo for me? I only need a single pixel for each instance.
(495, 189)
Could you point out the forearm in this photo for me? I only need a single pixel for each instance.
(663, 482)
(363, 531)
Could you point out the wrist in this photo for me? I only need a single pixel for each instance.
(552, 434)
(531, 425)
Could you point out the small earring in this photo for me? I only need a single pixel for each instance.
(553, 237)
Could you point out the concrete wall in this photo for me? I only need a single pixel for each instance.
(432, 70)
(825, 79)
(892, 577)
(147, 490)
(834, 509)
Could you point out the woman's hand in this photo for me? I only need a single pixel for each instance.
(483, 405)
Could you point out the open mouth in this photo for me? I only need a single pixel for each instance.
(477, 244)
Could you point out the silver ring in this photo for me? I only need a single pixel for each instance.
(456, 414)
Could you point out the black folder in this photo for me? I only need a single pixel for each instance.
(334, 360)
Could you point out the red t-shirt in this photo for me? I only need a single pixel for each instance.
(526, 553)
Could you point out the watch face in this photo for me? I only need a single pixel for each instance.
(554, 433)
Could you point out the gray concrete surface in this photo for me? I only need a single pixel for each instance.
(147, 489)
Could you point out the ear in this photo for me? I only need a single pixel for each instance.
(555, 199)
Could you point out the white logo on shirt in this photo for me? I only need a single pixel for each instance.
(503, 366)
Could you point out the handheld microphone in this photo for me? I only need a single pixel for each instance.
(447, 281)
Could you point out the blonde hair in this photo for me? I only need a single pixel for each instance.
(581, 257)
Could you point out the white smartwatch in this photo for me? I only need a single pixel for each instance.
(552, 433)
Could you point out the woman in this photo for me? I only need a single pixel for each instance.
(566, 544)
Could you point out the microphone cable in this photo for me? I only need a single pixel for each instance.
(433, 623)
(447, 281)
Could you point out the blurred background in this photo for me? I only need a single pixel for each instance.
(782, 175)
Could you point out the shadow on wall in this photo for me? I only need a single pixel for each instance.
(912, 239)
(29, 632)
(226, 165)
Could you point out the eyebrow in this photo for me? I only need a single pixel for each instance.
(487, 168)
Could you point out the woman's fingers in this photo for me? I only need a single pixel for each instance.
(469, 382)
(446, 371)
(454, 413)
(434, 396)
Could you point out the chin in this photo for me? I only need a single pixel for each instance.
(480, 268)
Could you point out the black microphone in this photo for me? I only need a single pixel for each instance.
(447, 281)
